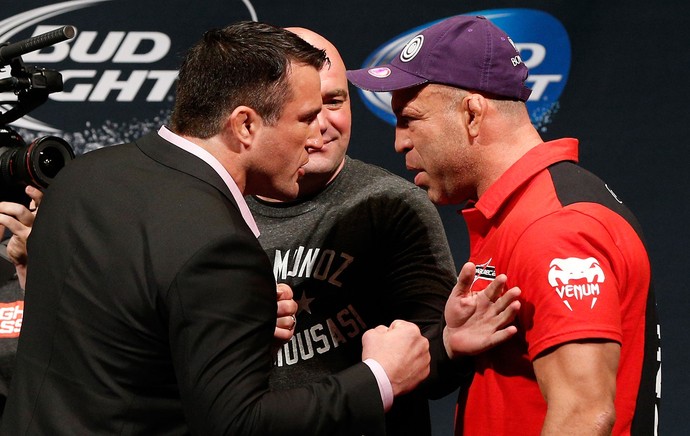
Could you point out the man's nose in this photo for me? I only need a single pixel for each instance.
(402, 141)
(315, 140)
(323, 122)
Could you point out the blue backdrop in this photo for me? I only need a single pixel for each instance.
(609, 73)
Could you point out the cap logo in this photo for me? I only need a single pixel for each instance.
(379, 72)
(412, 48)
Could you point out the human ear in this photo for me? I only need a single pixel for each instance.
(244, 124)
(476, 108)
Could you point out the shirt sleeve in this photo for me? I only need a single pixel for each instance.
(383, 382)
(567, 266)
(419, 278)
(221, 319)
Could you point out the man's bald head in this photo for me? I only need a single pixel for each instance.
(335, 119)
(320, 42)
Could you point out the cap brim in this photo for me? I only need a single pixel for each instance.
(383, 78)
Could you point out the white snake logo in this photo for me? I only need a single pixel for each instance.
(573, 268)
(562, 271)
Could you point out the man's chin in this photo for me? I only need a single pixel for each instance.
(283, 192)
(438, 198)
(316, 161)
(313, 169)
(321, 164)
(420, 181)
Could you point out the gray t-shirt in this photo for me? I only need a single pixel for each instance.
(367, 250)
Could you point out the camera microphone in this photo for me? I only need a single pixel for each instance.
(13, 50)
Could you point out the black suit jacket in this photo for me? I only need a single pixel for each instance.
(150, 309)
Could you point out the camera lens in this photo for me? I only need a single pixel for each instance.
(35, 164)
(44, 158)
(50, 161)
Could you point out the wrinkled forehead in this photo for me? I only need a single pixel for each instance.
(427, 96)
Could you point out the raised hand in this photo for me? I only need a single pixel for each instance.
(477, 321)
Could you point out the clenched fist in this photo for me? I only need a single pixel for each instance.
(402, 351)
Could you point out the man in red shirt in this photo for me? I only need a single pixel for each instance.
(585, 358)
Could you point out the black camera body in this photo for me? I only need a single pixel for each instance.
(38, 162)
(23, 164)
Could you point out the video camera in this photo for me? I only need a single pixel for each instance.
(38, 162)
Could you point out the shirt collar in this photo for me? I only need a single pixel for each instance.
(534, 161)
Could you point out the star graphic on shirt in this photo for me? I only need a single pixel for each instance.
(303, 303)
(485, 271)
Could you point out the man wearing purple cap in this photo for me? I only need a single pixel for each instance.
(360, 247)
(584, 360)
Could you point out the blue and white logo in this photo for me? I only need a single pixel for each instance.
(544, 48)
(412, 48)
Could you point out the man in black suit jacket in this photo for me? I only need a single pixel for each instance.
(150, 306)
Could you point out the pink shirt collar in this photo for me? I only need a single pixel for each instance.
(207, 157)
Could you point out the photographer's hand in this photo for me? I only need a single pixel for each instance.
(19, 220)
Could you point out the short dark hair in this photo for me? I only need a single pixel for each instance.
(246, 63)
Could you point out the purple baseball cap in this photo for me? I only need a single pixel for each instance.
(468, 52)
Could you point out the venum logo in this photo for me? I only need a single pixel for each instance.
(576, 279)
(544, 48)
